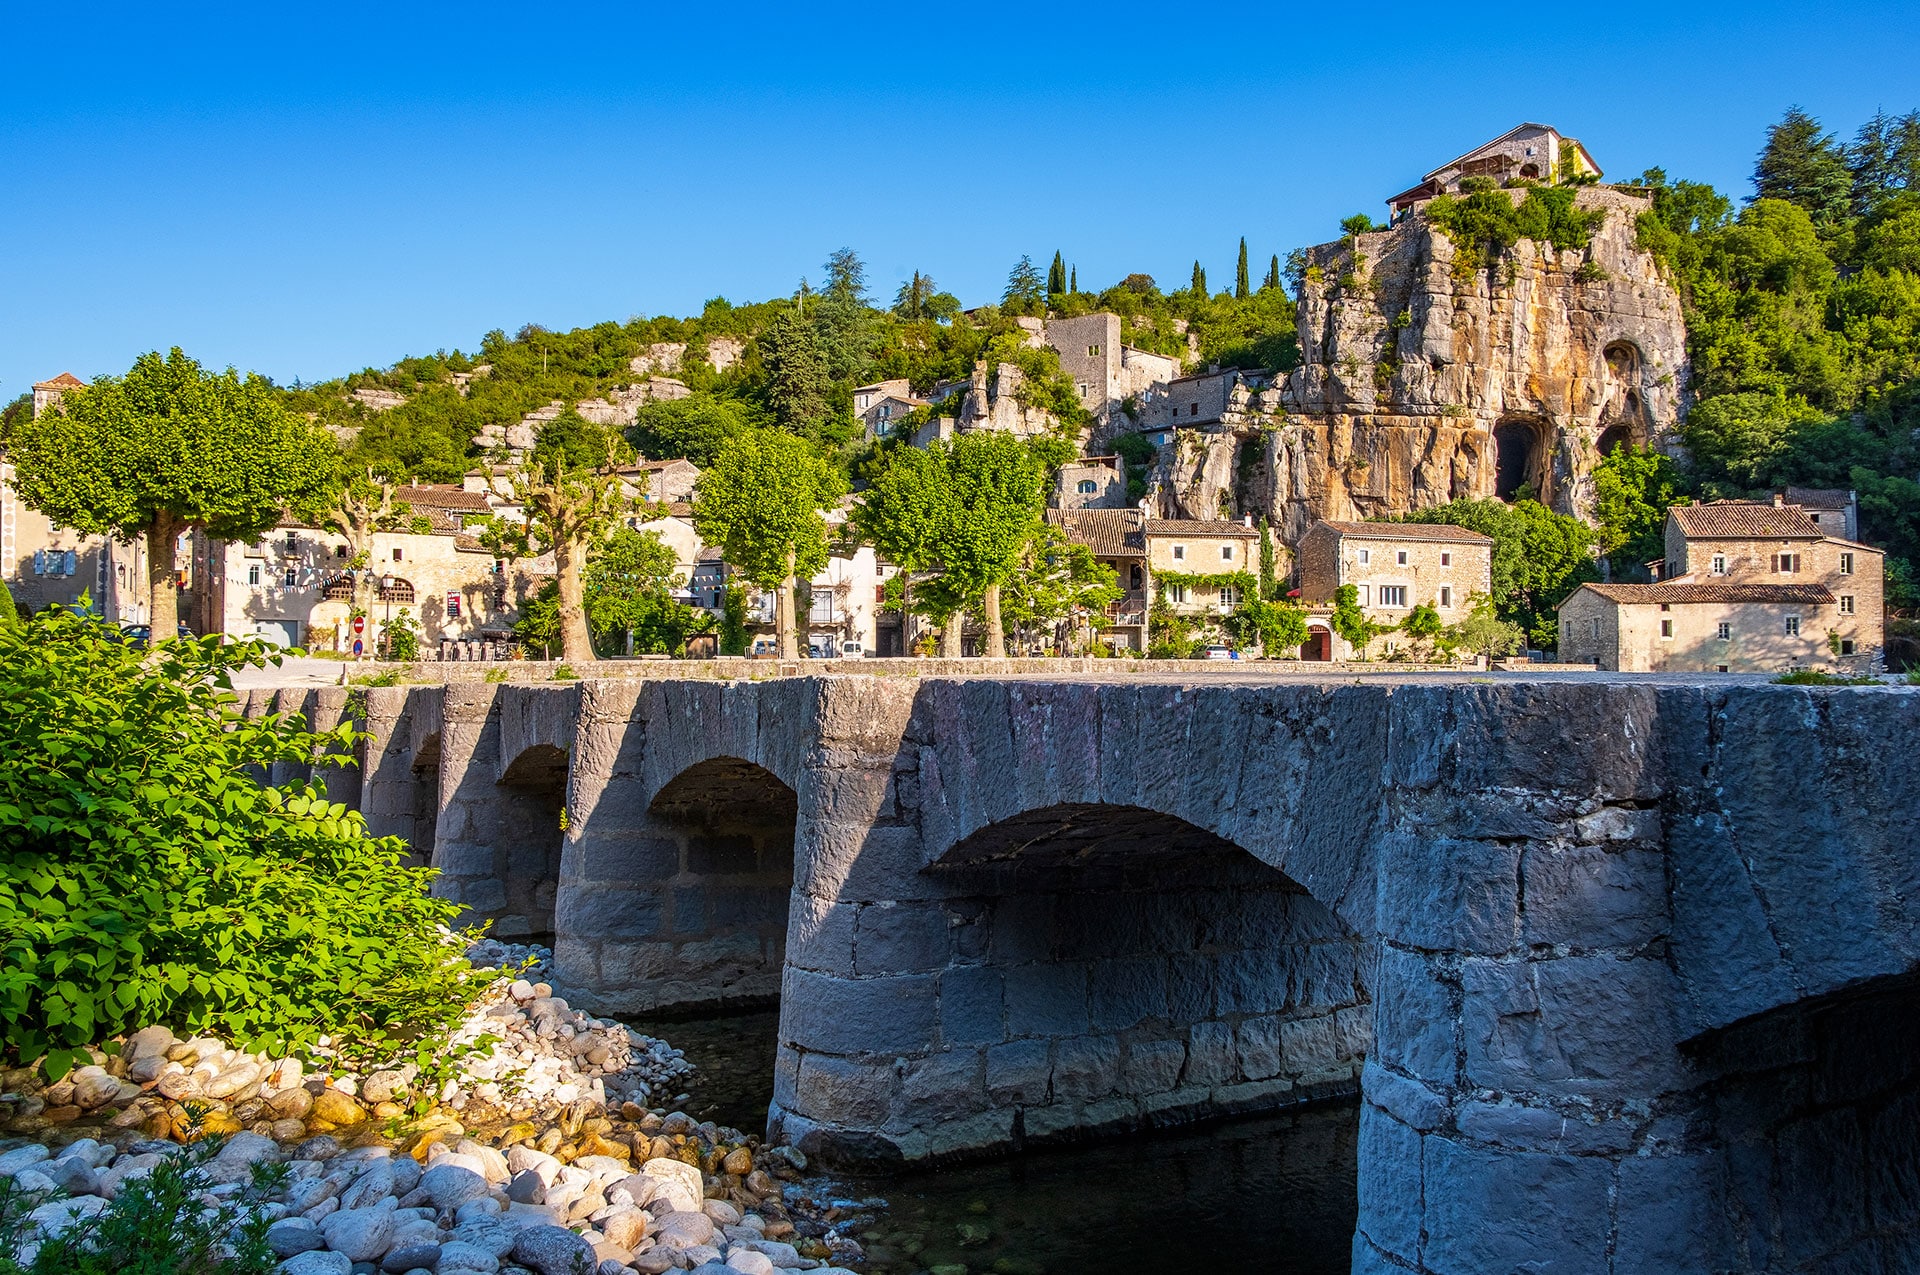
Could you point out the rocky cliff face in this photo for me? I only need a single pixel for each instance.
(1422, 383)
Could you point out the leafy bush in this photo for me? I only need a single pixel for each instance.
(403, 637)
(1814, 677)
(157, 1224)
(147, 876)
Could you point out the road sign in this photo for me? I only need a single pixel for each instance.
(359, 624)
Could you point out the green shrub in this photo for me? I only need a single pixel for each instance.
(157, 1224)
(1814, 677)
(148, 876)
(565, 673)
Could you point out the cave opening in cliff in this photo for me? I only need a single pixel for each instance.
(1615, 436)
(1514, 444)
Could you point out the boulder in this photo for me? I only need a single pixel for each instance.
(337, 1108)
(360, 1234)
(553, 1250)
(291, 1236)
(418, 1255)
(317, 1263)
(685, 1229)
(451, 1185)
(460, 1256)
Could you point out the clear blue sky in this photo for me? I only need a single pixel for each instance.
(310, 189)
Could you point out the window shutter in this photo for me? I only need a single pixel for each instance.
(39, 562)
(72, 563)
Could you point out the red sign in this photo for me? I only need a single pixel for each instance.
(359, 624)
(453, 606)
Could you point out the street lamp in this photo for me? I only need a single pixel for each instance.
(386, 626)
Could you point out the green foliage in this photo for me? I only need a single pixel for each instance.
(1056, 277)
(1197, 286)
(1803, 166)
(1486, 224)
(539, 622)
(160, 1223)
(1137, 453)
(1539, 557)
(1242, 284)
(629, 583)
(797, 374)
(1815, 677)
(401, 636)
(1633, 488)
(734, 638)
(1024, 293)
(1277, 625)
(1058, 582)
(1484, 633)
(695, 427)
(761, 503)
(146, 875)
(1351, 622)
(564, 673)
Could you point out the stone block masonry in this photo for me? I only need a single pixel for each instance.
(1620, 969)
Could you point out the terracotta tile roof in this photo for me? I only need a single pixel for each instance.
(464, 543)
(1437, 532)
(1744, 520)
(1683, 592)
(1110, 533)
(64, 381)
(1194, 527)
(442, 496)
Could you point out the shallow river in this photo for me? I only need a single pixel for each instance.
(1273, 1194)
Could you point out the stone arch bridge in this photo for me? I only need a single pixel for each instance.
(1624, 972)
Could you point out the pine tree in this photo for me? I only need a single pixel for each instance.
(1023, 290)
(1804, 166)
(1240, 285)
(1056, 276)
(1199, 281)
(1273, 274)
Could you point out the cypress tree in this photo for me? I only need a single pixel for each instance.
(1073, 280)
(1056, 276)
(1273, 274)
(1199, 284)
(1240, 283)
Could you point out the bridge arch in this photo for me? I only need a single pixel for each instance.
(1075, 969)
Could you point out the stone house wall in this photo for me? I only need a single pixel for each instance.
(1632, 639)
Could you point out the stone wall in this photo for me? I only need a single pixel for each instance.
(1028, 909)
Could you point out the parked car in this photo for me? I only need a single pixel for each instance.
(852, 649)
(765, 648)
(1220, 651)
(138, 636)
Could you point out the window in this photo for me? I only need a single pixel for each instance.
(1135, 577)
(1179, 553)
(1720, 667)
(1400, 557)
(1666, 628)
(1814, 517)
(1719, 565)
(1082, 387)
(1366, 556)
(1446, 559)
(396, 555)
(1846, 564)
(339, 551)
(886, 410)
(1193, 409)
(1093, 351)
(1666, 606)
(1176, 593)
(1363, 591)
(1725, 633)
(1087, 487)
(1593, 628)
(1228, 597)
(1226, 553)
(1786, 563)
(1846, 604)
(292, 577)
(1846, 646)
(253, 573)
(1446, 598)
(1393, 595)
(1793, 626)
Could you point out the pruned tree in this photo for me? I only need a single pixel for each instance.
(629, 583)
(570, 497)
(903, 510)
(363, 504)
(762, 502)
(1241, 283)
(170, 448)
(998, 493)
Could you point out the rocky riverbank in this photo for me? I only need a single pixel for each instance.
(542, 1140)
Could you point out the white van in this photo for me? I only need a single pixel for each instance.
(852, 649)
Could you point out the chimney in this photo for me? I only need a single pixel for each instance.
(1246, 520)
(1779, 499)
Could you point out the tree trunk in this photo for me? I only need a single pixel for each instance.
(163, 602)
(951, 633)
(784, 621)
(996, 633)
(576, 642)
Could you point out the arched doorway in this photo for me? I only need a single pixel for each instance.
(1318, 647)
(1517, 460)
(1075, 970)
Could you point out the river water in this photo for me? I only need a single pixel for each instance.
(1273, 1194)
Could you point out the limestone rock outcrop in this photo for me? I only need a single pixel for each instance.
(1421, 383)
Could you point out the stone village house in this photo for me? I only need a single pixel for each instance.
(1394, 567)
(1139, 549)
(1746, 587)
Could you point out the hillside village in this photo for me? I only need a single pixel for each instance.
(1358, 459)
